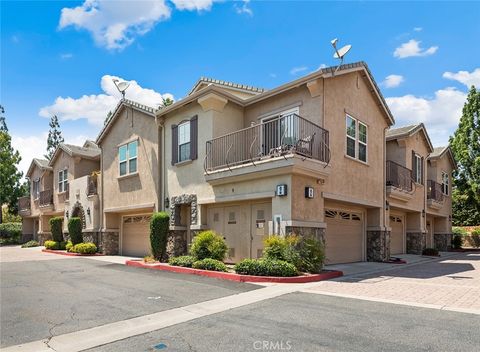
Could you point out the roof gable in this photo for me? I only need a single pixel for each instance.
(92, 152)
(408, 131)
(440, 152)
(42, 164)
(204, 82)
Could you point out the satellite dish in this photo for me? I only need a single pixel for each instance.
(339, 53)
(121, 86)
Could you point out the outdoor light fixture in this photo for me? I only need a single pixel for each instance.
(387, 205)
(121, 86)
(88, 211)
(167, 203)
(423, 212)
(66, 214)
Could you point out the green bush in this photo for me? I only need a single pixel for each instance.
(30, 244)
(159, 225)
(69, 246)
(208, 244)
(459, 231)
(457, 241)
(312, 255)
(75, 230)
(84, 248)
(56, 227)
(210, 264)
(281, 248)
(11, 230)
(55, 245)
(430, 252)
(475, 238)
(265, 267)
(184, 260)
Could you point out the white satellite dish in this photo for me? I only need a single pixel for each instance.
(339, 53)
(121, 86)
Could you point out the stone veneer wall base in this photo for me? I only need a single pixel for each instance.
(308, 232)
(378, 246)
(416, 242)
(44, 236)
(109, 243)
(442, 241)
(176, 243)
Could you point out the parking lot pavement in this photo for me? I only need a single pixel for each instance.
(451, 283)
(9, 254)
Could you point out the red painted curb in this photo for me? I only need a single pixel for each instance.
(236, 277)
(61, 252)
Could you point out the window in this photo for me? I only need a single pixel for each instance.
(356, 132)
(127, 157)
(184, 141)
(36, 188)
(445, 183)
(417, 169)
(63, 180)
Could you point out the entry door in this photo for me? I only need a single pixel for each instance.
(396, 236)
(429, 240)
(261, 214)
(237, 232)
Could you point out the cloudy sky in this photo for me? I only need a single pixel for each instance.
(60, 57)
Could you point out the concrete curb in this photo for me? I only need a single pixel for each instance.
(236, 277)
(61, 252)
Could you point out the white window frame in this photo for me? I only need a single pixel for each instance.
(418, 163)
(128, 159)
(189, 141)
(356, 139)
(62, 180)
(36, 189)
(445, 183)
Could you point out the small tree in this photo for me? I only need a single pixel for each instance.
(75, 230)
(159, 225)
(56, 227)
(54, 137)
(166, 102)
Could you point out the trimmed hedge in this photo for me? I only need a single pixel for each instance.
(54, 245)
(56, 227)
(84, 248)
(184, 260)
(430, 252)
(265, 267)
(460, 231)
(11, 230)
(159, 225)
(30, 244)
(75, 230)
(457, 241)
(210, 264)
(69, 246)
(208, 244)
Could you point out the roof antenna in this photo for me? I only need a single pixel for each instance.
(339, 53)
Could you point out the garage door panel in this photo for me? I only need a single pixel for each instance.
(344, 237)
(136, 236)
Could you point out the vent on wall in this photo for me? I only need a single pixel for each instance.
(231, 252)
(395, 219)
(341, 215)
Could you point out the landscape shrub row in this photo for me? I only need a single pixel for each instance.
(10, 233)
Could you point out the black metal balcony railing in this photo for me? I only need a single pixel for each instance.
(92, 185)
(434, 191)
(399, 176)
(290, 134)
(46, 197)
(24, 203)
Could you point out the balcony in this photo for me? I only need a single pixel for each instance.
(24, 205)
(434, 194)
(399, 181)
(46, 198)
(284, 137)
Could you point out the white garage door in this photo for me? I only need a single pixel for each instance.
(136, 235)
(396, 236)
(343, 237)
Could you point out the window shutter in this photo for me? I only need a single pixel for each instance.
(194, 137)
(421, 174)
(174, 144)
(414, 167)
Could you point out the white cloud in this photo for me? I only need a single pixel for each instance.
(298, 69)
(66, 56)
(392, 81)
(465, 77)
(115, 24)
(94, 108)
(418, 29)
(193, 5)
(440, 113)
(244, 9)
(412, 48)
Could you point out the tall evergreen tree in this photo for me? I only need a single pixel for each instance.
(465, 145)
(10, 176)
(54, 137)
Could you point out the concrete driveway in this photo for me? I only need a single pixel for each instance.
(451, 283)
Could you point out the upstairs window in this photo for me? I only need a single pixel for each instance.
(127, 157)
(63, 180)
(417, 168)
(356, 142)
(36, 188)
(445, 183)
(184, 141)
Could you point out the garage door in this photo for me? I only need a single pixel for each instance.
(136, 235)
(343, 237)
(396, 236)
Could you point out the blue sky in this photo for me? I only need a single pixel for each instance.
(59, 57)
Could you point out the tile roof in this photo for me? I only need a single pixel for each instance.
(226, 84)
(88, 152)
(438, 151)
(41, 162)
(401, 131)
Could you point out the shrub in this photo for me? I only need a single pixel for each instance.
(208, 244)
(84, 248)
(54, 245)
(56, 227)
(149, 259)
(75, 230)
(265, 267)
(475, 238)
(280, 248)
(210, 264)
(11, 230)
(159, 225)
(69, 246)
(312, 255)
(430, 252)
(30, 244)
(184, 260)
(459, 231)
(457, 241)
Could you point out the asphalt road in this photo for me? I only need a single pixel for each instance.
(53, 297)
(309, 322)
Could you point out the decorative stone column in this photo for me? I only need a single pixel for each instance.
(416, 242)
(378, 246)
(176, 243)
(308, 232)
(184, 199)
(44, 236)
(110, 243)
(442, 241)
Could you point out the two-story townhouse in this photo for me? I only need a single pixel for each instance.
(130, 178)
(440, 165)
(306, 157)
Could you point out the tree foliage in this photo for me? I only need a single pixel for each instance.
(10, 177)
(465, 145)
(166, 102)
(54, 137)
